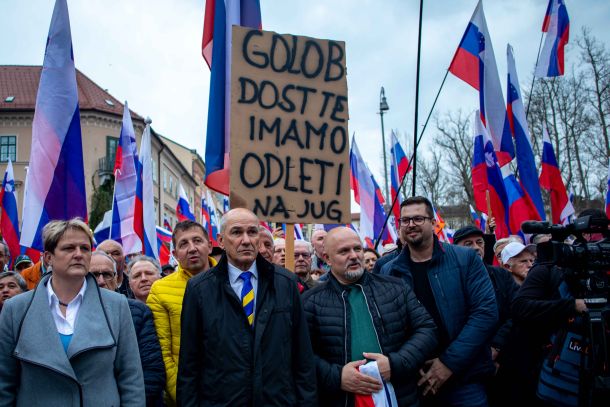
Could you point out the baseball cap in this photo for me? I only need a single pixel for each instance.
(466, 231)
(22, 259)
(514, 249)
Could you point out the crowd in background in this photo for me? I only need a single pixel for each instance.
(428, 323)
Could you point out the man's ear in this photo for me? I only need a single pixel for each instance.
(220, 240)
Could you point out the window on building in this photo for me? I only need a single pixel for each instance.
(8, 148)
(171, 185)
(111, 145)
(154, 171)
(164, 179)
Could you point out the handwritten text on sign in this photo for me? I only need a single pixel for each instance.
(289, 138)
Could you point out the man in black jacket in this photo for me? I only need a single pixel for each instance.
(244, 336)
(357, 316)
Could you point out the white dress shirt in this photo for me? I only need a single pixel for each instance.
(65, 325)
(237, 283)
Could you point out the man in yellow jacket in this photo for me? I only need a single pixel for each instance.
(191, 248)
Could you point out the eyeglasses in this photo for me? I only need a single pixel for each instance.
(105, 275)
(417, 220)
(303, 255)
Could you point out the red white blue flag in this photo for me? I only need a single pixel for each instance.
(556, 25)
(550, 179)
(220, 16)
(487, 177)
(183, 209)
(205, 215)
(526, 164)
(144, 216)
(400, 167)
(56, 178)
(368, 195)
(519, 209)
(166, 224)
(213, 227)
(125, 185)
(164, 241)
(474, 62)
(9, 221)
(478, 220)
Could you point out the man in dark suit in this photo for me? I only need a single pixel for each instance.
(244, 334)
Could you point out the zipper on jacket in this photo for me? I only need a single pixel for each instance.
(379, 316)
(344, 338)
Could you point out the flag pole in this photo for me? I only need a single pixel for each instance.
(413, 163)
(402, 181)
(113, 195)
(527, 111)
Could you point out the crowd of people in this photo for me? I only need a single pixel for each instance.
(429, 323)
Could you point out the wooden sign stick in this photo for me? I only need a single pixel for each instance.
(488, 204)
(290, 246)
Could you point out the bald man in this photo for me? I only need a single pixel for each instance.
(361, 317)
(260, 352)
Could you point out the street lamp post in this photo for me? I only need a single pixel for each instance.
(383, 107)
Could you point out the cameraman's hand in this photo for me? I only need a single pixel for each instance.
(580, 306)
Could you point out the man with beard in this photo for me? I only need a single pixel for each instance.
(451, 282)
(357, 317)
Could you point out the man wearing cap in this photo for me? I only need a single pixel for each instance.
(22, 262)
(518, 259)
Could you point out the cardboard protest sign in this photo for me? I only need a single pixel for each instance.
(289, 138)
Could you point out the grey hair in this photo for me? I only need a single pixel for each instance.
(106, 255)
(304, 243)
(142, 257)
(262, 229)
(507, 240)
(20, 281)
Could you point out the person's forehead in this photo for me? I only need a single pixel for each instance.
(343, 240)
(8, 280)
(74, 235)
(110, 246)
(189, 233)
(472, 239)
(100, 263)
(318, 235)
(414, 209)
(142, 266)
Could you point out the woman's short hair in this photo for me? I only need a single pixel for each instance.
(55, 229)
(20, 281)
(142, 257)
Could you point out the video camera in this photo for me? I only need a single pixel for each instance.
(587, 264)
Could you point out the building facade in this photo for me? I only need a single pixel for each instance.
(101, 119)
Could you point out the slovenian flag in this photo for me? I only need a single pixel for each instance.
(550, 179)
(526, 164)
(474, 62)
(56, 178)
(9, 222)
(145, 216)
(125, 186)
(214, 224)
(487, 176)
(220, 16)
(556, 25)
(183, 209)
(400, 167)
(164, 241)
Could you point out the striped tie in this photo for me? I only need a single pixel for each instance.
(247, 296)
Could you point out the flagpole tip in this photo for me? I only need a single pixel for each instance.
(148, 120)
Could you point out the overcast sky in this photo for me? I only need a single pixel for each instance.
(148, 52)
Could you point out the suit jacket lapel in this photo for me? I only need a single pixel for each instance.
(38, 340)
(91, 329)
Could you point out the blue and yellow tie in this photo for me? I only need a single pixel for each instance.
(247, 296)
